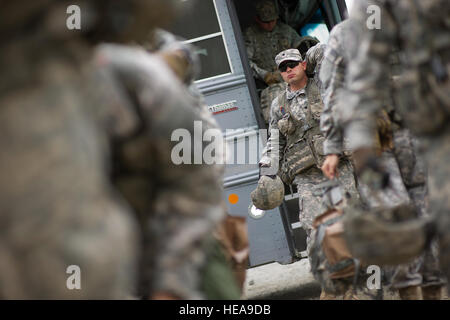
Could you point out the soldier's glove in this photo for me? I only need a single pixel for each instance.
(177, 61)
(272, 78)
(369, 169)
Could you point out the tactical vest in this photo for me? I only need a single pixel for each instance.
(304, 141)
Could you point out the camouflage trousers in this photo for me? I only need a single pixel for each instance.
(310, 203)
(394, 195)
(424, 271)
(438, 156)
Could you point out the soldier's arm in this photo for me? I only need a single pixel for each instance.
(250, 45)
(332, 77)
(314, 57)
(368, 76)
(276, 142)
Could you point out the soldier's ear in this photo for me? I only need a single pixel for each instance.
(303, 65)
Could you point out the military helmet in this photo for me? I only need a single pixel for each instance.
(266, 10)
(269, 193)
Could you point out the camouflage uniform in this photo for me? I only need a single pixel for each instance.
(69, 129)
(180, 214)
(267, 96)
(342, 46)
(295, 116)
(313, 58)
(419, 30)
(262, 46)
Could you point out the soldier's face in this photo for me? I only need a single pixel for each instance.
(294, 75)
(267, 26)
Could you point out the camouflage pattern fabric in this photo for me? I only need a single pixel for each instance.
(342, 46)
(422, 91)
(267, 97)
(421, 94)
(437, 155)
(305, 107)
(70, 128)
(310, 200)
(332, 76)
(177, 218)
(262, 46)
(58, 207)
(266, 10)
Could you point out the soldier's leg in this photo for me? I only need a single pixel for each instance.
(413, 170)
(311, 205)
(438, 156)
(404, 278)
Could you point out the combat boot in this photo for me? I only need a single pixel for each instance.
(432, 293)
(327, 296)
(410, 293)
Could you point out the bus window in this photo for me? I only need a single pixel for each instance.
(200, 26)
(316, 27)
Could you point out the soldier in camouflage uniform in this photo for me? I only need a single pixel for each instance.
(87, 155)
(264, 39)
(217, 280)
(294, 131)
(419, 30)
(275, 89)
(405, 171)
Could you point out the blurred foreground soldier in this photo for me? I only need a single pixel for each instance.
(422, 96)
(264, 40)
(184, 208)
(342, 47)
(69, 129)
(295, 146)
(226, 249)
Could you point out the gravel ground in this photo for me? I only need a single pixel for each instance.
(292, 282)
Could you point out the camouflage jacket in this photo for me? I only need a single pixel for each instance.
(178, 205)
(342, 45)
(420, 31)
(294, 126)
(262, 46)
(58, 207)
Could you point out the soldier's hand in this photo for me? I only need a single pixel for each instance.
(272, 78)
(329, 167)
